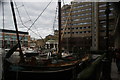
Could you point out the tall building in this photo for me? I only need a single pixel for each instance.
(84, 26)
(8, 38)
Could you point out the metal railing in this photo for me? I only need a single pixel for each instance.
(92, 72)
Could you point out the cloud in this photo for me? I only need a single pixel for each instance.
(44, 24)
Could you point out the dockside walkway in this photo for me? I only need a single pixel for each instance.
(114, 73)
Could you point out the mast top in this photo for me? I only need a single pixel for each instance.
(59, 0)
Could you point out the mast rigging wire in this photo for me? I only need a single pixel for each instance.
(30, 18)
(32, 22)
(23, 23)
(55, 19)
(40, 14)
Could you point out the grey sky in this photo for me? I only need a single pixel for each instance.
(44, 24)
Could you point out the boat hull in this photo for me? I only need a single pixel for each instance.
(37, 73)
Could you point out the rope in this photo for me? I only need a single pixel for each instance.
(54, 20)
(66, 23)
(25, 25)
(32, 22)
(40, 14)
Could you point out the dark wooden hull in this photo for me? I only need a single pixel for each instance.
(63, 75)
(37, 73)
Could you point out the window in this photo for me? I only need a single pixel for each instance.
(72, 27)
(103, 5)
(68, 32)
(80, 31)
(104, 26)
(88, 26)
(102, 15)
(110, 14)
(102, 21)
(72, 32)
(84, 31)
(76, 32)
(101, 10)
(76, 27)
(80, 27)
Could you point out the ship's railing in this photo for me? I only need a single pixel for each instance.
(92, 72)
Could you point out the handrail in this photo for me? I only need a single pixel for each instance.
(93, 71)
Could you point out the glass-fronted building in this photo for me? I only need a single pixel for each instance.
(8, 38)
(84, 25)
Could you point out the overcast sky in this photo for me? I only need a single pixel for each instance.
(44, 25)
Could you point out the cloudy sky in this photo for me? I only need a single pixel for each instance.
(43, 26)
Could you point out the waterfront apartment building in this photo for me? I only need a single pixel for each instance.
(84, 26)
(8, 38)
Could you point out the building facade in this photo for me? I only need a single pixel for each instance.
(52, 44)
(84, 26)
(8, 38)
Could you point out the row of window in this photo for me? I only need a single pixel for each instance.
(103, 10)
(76, 28)
(111, 14)
(79, 6)
(80, 10)
(78, 19)
(82, 23)
(104, 26)
(9, 44)
(80, 32)
(86, 18)
(85, 14)
(8, 37)
(104, 5)
(77, 11)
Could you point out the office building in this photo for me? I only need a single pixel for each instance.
(84, 26)
(8, 38)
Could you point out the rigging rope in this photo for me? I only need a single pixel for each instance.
(40, 14)
(32, 22)
(55, 19)
(25, 25)
(66, 22)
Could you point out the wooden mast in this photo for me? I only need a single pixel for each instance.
(59, 25)
(17, 33)
(3, 41)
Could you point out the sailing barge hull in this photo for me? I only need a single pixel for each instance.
(37, 73)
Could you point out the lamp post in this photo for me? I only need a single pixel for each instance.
(106, 73)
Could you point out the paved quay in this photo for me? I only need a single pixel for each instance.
(0, 66)
(114, 73)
